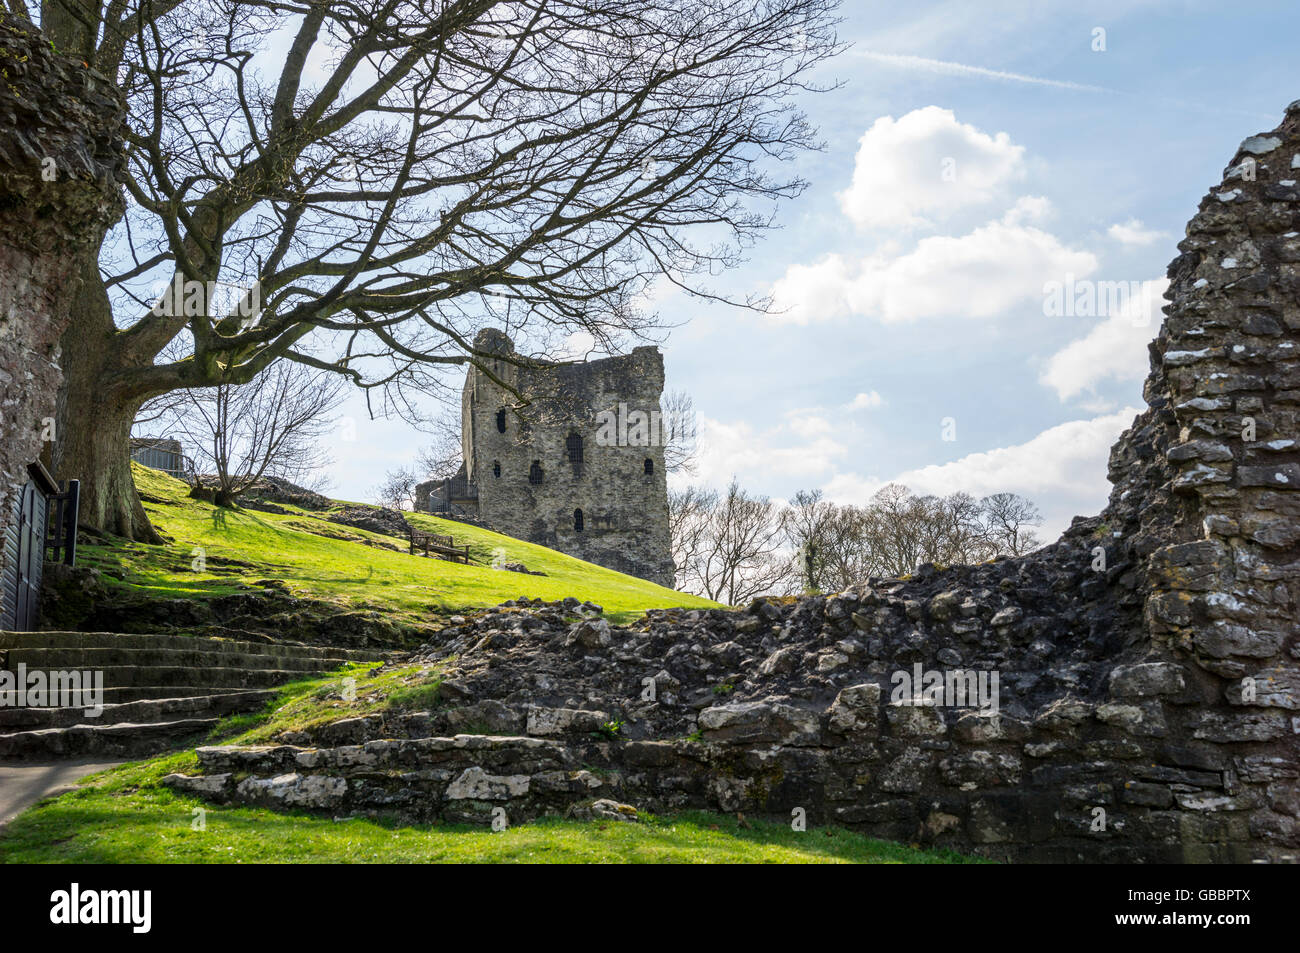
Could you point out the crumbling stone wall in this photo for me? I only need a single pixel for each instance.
(1147, 662)
(60, 154)
(624, 508)
(1222, 591)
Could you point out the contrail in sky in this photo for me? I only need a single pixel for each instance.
(961, 69)
(949, 68)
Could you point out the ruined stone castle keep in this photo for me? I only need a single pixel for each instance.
(576, 465)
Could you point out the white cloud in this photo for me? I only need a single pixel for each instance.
(865, 401)
(1029, 208)
(1063, 458)
(802, 447)
(1062, 469)
(926, 164)
(978, 275)
(1114, 349)
(806, 424)
(1132, 233)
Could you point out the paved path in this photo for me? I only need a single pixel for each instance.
(22, 785)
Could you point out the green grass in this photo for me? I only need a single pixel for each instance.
(321, 699)
(125, 816)
(326, 561)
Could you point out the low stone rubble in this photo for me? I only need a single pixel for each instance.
(546, 705)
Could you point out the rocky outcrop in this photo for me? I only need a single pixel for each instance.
(372, 519)
(1128, 693)
(274, 490)
(60, 154)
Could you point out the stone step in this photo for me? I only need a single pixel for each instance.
(463, 778)
(133, 693)
(158, 690)
(94, 640)
(140, 711)
(61, 658)
(184, 676)
(128, 739)
(492, 751)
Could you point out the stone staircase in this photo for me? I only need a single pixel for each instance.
(159, 691)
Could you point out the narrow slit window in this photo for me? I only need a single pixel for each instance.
(535, 473)
(501, 420)
(573, 447)
(496, 468)
(577, 521)
(649, 467)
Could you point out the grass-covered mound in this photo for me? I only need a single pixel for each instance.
(217, 551)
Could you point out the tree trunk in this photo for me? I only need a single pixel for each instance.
(94, 447)
(95, 414)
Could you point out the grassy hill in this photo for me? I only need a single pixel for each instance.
(352, 568)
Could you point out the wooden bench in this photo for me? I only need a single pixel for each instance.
(444, 547)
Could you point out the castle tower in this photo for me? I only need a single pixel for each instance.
(578, 467)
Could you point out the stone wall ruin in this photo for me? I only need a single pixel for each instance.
(60, 154)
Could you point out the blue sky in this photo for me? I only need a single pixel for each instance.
(974, 153)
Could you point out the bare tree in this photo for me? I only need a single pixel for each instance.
(894, 533)
(739, 551)
(443, 165)
(681, 433)
(441, 458)
(397, 492)
(966, 535)
(269, 427)
(1008, 518)
(806, 523)
(899, 530)
(735, 546)
(689, 512)
(844, 561)
(949, 529)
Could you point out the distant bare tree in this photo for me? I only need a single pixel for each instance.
(681, 433)
(949, 529)
(737, 553)
(441, 458)
(397, 492)
(1008, 518)
(271, 426)
(900, 530)
(736, 546)
(844, 561)
(893, 528)
(689, 510)
(806, 523)
(966, 534)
